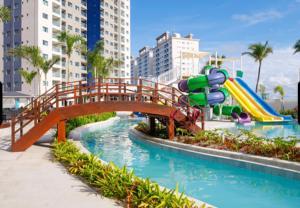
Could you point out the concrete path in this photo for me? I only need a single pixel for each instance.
(32, 179)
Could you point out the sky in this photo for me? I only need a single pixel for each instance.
(228, 27)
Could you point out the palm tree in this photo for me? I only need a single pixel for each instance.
(33, 55)
(71, 42)
(101, 65)
(5, 14)
(262, 90)
(46, 65)
(297, 47)
(259, 52)
(279, 89)
(27, 76)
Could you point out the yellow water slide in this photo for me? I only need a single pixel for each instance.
(248, 103)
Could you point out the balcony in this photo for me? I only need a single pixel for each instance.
(56, 50)
(56, 23)
(56, 11)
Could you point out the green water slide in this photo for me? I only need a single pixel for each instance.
(227, 110)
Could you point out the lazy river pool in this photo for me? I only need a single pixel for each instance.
(216, 182)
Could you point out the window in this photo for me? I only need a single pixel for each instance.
(70, 4)
(77, 7)
(45, 2)
(77, 19)
(77, 30)
(45, 56)
(69, 15)
(45, 43)
(70, 27)
(45, 16)
(45, 29)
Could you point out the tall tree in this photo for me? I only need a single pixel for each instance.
(5, 14)
(279, 89)
(101, 65)
(262, 90)
(71, 42)
(33, 55)
(46, 65)
(27, 76)
(259, 52)
(297, 47)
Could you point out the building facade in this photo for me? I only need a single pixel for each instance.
(109, 20)
(167, 55)
(37, 23)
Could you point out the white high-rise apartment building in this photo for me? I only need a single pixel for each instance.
(37, 23)
(109, 20)
(168, 55)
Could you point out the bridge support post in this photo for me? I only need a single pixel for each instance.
(171, 128)
(61, 131)
(152, 125)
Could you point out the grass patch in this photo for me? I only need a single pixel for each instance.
(119, 183)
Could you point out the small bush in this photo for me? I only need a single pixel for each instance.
(82, 120)
(292, 112)
(118, 183)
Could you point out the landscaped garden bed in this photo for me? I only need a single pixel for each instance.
(245, 142)
(118, 183)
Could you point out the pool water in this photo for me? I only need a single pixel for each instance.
(217, 183)
(291, 129)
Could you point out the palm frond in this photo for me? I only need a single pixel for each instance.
(27, 76)
(5, 14)
(279, 89)
(48, 64)
(297, 47)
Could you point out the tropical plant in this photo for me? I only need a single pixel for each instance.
(101, 65)
(279, 89)
(27, 76)
(259, 52)
(82, 120)
(119, 183)
(5, 14)
(71, 42)
(262, 90)
(297, 47)
(46, 65)
(33, 55)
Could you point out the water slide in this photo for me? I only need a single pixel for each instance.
(249, 104)
(262, 102)
(194, 84)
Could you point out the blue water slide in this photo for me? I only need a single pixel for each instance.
(261, 101)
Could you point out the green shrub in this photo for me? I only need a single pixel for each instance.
(82, 120)
(292, 112)
(118, 183)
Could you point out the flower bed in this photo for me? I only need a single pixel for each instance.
(118, 183)
(245, 142)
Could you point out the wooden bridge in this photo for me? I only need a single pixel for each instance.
(67, 101)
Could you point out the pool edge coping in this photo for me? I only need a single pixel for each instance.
(288, 167)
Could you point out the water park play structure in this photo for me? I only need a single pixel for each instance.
(205, 90)
(156, 100)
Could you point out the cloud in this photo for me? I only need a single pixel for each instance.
(259, 17)
(280, 68)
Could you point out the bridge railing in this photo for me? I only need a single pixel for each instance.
(99, 90)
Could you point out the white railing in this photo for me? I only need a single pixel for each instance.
(169, 77)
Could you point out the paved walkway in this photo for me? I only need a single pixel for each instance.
(32, 179)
